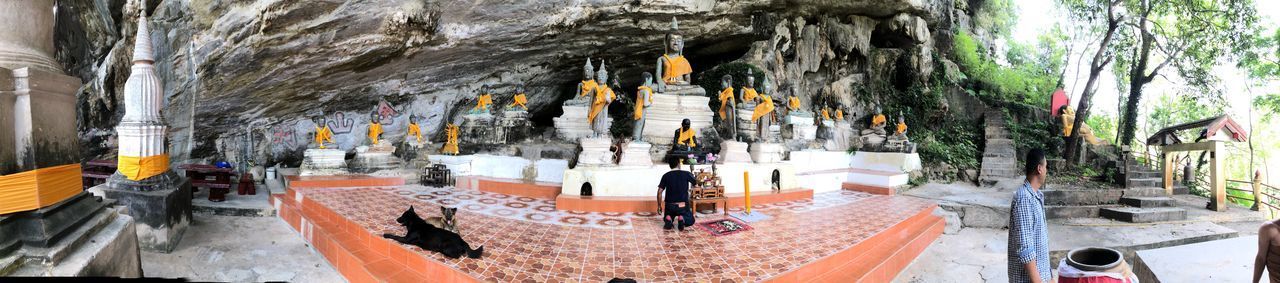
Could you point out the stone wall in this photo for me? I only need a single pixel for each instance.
(240, 73)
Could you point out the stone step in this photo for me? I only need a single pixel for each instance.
(1000, 173)
(1143, 214)
(1074, 211)
(1148, 201)
(1144, 174)
(1079, 197)
(1144, 182)
(1009, 153)
(1000, 143)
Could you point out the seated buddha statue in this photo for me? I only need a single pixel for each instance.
(375, 129)
(519, 101)
(672, 66)
(322, 133)
(483, 101)
(685, 139)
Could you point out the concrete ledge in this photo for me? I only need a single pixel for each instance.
(870, 189)
(649, 204)
(540, 190)
(879, 258)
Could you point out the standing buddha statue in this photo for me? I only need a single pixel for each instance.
(603, 96)
(762, 115)
(644, 98)
(588, 84)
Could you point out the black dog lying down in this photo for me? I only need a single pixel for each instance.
(432, 238)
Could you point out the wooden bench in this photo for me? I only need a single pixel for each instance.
(200, 174)
(96, 172)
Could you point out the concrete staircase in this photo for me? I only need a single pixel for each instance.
(999, 160)
(1134, 205)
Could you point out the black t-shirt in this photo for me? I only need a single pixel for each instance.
(676, 182)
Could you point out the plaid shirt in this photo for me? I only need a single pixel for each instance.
(1028, 235)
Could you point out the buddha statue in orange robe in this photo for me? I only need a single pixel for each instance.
(672, 66)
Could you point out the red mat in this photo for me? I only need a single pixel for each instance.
(725, 226)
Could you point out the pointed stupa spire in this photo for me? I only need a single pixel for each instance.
(142, 40)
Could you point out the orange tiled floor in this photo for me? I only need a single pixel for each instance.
(593, 247)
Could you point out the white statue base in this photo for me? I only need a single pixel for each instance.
(767, 152)
(573, 124)
(663, 117)
(636, 154)
(802, 126)
(317, 161)
(595, 152)
(375, 158)
(733, 152)
(841, 137)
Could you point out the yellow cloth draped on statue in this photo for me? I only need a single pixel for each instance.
(902, 127)
(519, 100)
(641, 93)
(483, 102)
(793, 103)
(749, 94)
(451, 140)
(138, 168)
(39, 188)
(764, 108)
(686, 137)
(323, 135)
(415, 131)
(877, 120)
(1068, 119)
(839, 114)
(604, 94)
(726, 97)
(587, 87)
(375, 130)
(826, 115)
(674, 67)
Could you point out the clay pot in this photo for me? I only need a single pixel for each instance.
(1094, 259)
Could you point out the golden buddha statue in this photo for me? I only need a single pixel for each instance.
(451, 140)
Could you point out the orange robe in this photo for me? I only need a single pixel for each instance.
(877, 120)
(749, 94)
(687, 137)
(902, 127)
(825, 114)
(726, 97)
(483, 102)
(519, 100)
(764, 108)
(604, 94)
(839, 114)
(674, 67)
(587, 87)
(323, 135)
(641, 93)
(415, 131)
(375, 130)
(793, 103)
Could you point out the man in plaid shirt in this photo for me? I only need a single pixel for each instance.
(1028, 232)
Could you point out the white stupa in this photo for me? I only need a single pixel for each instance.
(142, 130)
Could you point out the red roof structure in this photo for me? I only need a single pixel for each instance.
(1057, 101)
(1211, 127)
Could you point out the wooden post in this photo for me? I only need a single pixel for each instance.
(1257, 191)
(1167, 171)
(1218, 183)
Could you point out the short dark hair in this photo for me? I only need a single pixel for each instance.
(1035, 157)
(674, 162)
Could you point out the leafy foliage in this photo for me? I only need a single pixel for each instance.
(1031, 79)
(997, 16)
(954, 142)
(1103, 125)
(1034, 134)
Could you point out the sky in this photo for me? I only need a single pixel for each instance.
(1105, 100)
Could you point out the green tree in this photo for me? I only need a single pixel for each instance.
(1192, 36)
(1104, 19)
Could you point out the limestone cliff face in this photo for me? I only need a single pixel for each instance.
(246, 72)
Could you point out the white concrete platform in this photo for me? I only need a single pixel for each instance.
(886, 161)
(643, 181)
(508, 167)
(1228, 260)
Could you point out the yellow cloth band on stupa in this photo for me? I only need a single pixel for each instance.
(138, 168)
